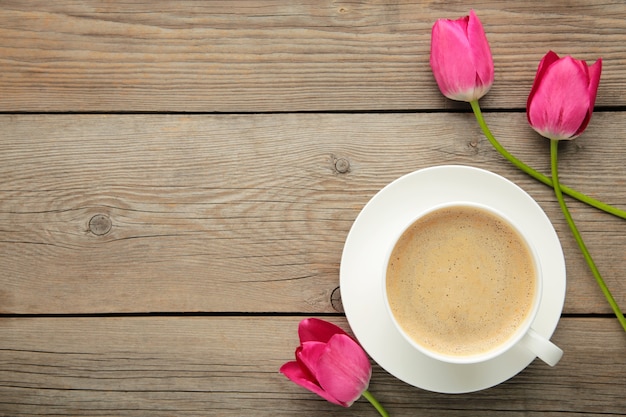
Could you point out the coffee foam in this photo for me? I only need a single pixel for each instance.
(460, 281)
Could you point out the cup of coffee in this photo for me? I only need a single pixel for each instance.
(463, 285)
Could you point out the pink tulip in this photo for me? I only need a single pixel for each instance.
(329, 363)
(460, 58)
(561, 101)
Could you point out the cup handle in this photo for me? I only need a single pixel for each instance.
(542, 347)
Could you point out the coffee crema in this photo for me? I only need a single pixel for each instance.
(460, 281)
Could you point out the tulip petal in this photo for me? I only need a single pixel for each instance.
(450, 56)
(560, 102)
(293, 371)
(313, 329)
(481, 53)
(344, 369)
(544, 64)
(304, 366)
(308, 355)
(594, 72)
(550, 58)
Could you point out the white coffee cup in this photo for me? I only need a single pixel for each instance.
(416, 273)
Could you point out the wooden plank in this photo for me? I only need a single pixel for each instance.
(275, 56)
(228, 366)
(250, 213)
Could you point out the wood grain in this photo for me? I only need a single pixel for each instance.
(177, 180)
(228, 366)
(276, 56)
(249, 213)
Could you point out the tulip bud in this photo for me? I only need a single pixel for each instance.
(329, 363)
(460, 58)
(561, 100)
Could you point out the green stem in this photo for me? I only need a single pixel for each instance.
(538, 175)
(375, 403)
(554, 146)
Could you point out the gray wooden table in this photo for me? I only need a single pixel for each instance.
(177, 181)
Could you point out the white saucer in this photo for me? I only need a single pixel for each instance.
(362, 264)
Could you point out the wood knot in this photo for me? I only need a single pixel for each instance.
(335, 300)
(100, 224)
(342, 165)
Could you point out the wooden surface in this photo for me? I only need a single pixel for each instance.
(177, 180)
